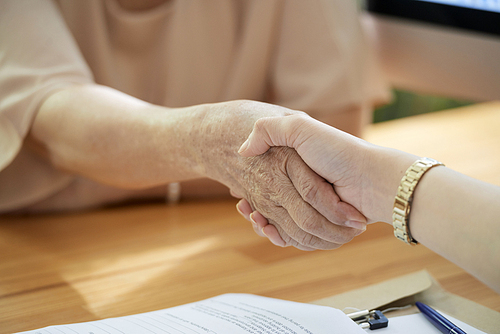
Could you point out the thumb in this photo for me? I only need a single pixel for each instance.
(267, 132)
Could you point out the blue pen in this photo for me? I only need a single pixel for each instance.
(441, 323)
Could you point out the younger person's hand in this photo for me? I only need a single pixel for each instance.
(345, 161)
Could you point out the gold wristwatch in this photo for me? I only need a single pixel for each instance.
(404, 197)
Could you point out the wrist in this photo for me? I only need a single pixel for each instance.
(385, 167)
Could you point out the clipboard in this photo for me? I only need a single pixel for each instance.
(407, 289)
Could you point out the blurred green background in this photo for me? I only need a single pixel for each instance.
(406, 103)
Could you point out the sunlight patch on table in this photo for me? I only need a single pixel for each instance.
(109, 280)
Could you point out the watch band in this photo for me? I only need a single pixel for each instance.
(404, 197)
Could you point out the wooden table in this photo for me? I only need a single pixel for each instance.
(67, 268)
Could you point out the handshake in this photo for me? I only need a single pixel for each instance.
(342, 183)
(302, 183)
(336, 183)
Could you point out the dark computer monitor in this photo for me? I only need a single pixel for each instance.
(445, 47)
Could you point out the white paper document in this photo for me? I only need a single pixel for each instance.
(229, 313)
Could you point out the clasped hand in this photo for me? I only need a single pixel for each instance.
(277, 188)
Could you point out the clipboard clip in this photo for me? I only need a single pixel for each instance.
(374, 319)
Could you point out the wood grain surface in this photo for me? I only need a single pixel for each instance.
(65, 268)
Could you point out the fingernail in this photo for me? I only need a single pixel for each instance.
(251, 218)
(355, 224)
(238, 209)
(243, 147)
(240, 212)
(280, 244)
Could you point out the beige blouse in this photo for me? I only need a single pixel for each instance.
(307, 55)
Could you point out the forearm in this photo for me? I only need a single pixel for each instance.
(116, 139)
(452, 214)
(457, 217)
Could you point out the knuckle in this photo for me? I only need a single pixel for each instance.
(309, 224)
(268, 209)
(308, 240)
(288, 240)
(283, 195)
(306, 218)
(308, 190)
(259, 124)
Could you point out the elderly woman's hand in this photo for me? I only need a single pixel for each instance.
(105, 135)
(277, 184)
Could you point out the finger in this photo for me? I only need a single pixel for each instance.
(264, 229)
(244, 208)
(312, 222)
(261, 225)
(275, 230)
(259, 220)
(321, 195)
(311, 225)
(258, 223)
(267, 132)
(301, 223)
(292, 234)
(273, 235)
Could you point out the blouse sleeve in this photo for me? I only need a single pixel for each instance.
(323, 59)
(37, 56)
